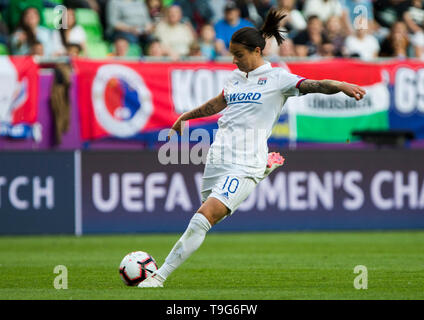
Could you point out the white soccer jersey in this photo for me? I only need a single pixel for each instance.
(253, 107)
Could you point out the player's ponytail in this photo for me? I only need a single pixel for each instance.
(271, 26)
(252, 37)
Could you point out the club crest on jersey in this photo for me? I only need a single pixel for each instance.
(262, 81)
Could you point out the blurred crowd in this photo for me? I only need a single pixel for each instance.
(178, 29)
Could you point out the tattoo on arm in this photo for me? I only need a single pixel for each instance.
(211, 107)
(320, 86)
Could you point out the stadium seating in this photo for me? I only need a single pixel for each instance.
(48, 14)
(98, 49)
(90, 21)
(134, 50)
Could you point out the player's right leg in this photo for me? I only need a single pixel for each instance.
(211, 211)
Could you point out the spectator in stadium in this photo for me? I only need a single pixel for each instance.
(174, 34)
(294, 22)
(28, 32)
(59, 94)
(326, 49)
(263, 7)
(335, 34)
(155, 8)
(362, 44)
(414, 16)
(207, 41)
(120, 47)
(387, 13)
(249, 10)
(129, 19)
(414, 19)
(323, 9)
(15, 9)
(226, 27)
(36, 49)
(73, 49)
(74, 33)
(198, 12)
(217, 7)
(308, 41)
(287, 49)
(195, 50)
(155, 49)
(397, 43)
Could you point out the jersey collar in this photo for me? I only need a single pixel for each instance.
(255, 74)
(263, 68)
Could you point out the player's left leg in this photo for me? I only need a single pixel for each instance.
(224, 199)
(210, 212)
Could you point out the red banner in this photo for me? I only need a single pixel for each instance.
(18, 95)
(123, 99)
(126, 99)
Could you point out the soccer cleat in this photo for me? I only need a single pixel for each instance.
(275, 160)
(154, 281)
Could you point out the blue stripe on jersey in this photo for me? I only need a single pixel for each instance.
(243, 102)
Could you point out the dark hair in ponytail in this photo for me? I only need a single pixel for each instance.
(252, 37)
(271, 26)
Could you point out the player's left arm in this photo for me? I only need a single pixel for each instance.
(211, 107)
(331, 87)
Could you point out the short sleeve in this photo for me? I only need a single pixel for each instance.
(289, 83)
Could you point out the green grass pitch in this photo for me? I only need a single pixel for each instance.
(296, 265)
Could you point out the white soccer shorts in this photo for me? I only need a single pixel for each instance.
(230, 190)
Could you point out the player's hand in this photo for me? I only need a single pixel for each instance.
(178, 127)
(352, 90)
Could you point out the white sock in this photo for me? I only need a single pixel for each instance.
(189, 242)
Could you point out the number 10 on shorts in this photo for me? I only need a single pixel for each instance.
(231, 185)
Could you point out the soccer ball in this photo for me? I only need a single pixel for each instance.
(136, 267)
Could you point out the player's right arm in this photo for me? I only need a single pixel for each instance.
(213, 106)
(331, 87)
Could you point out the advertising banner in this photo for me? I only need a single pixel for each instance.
(134, 100)
(37, 193)
(406, 86)
(331, 118)
(19, 97)
(130, 100)
(314, 190)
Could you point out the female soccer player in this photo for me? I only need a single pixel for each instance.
(238, 159)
